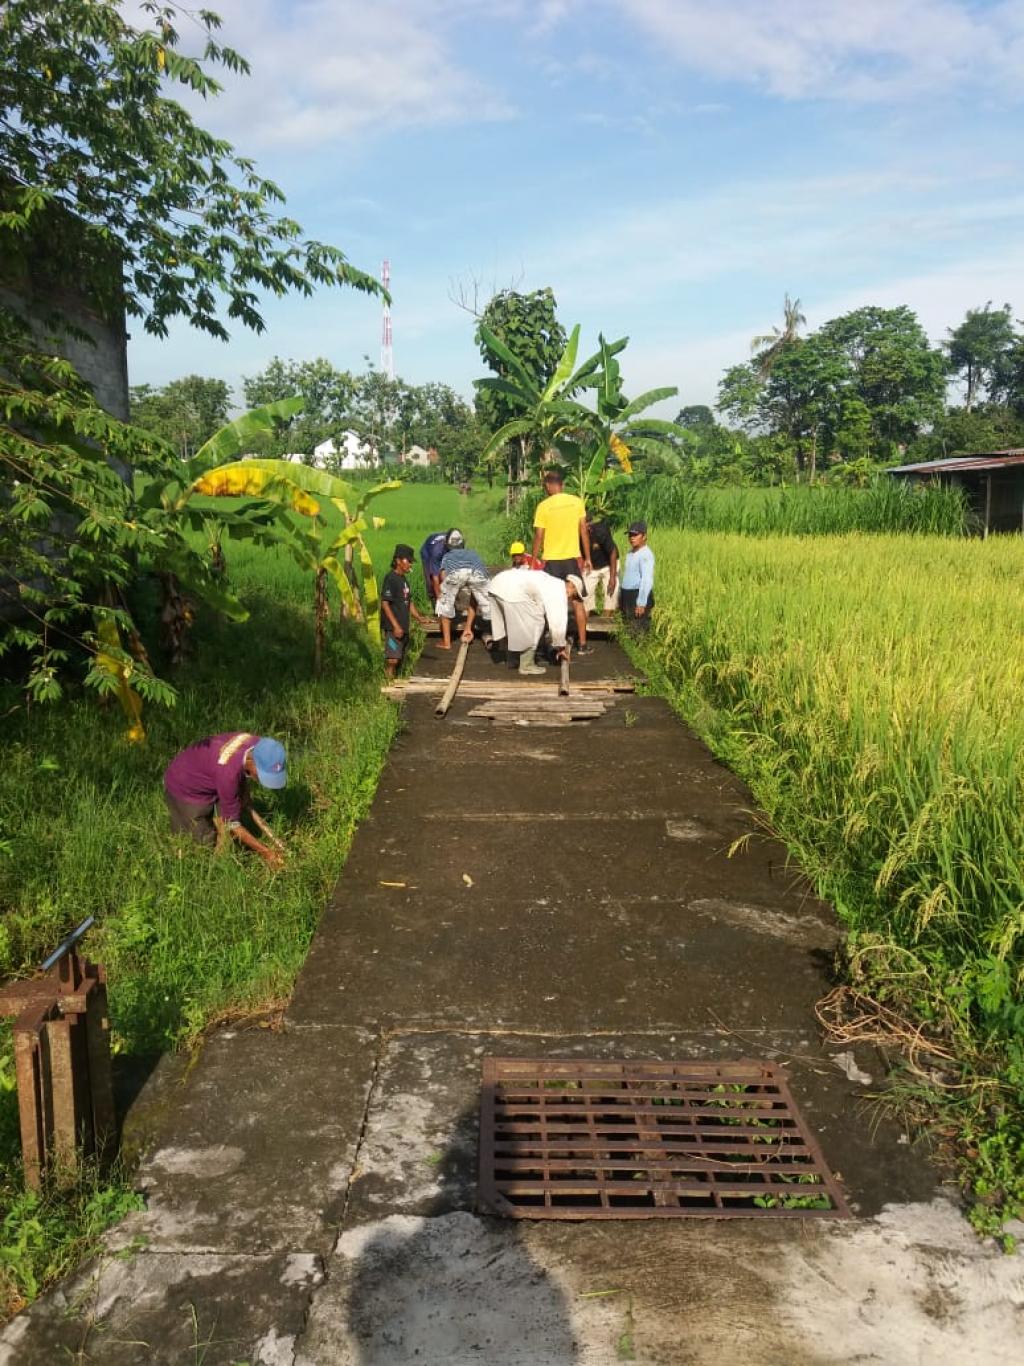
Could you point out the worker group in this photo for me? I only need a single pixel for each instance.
(521, 613)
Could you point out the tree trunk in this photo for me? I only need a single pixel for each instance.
(814, 453)
(176, 616)
(319, 620)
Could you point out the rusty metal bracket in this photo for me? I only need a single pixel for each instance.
(62, 1063)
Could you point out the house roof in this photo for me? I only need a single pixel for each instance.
(980, 460)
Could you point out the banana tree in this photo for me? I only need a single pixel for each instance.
(302, 490)
(552, 418)
(170, 496)
(619, 432)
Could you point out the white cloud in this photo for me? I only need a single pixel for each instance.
(857, 50)
(323, 70)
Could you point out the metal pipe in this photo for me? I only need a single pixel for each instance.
(68, 943)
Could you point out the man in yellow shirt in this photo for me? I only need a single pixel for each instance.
(562, 539)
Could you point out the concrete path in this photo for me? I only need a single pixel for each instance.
(527, 891)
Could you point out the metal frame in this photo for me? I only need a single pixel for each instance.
(571, 1139)
(62, 1064)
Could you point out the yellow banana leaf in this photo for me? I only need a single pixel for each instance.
(244, 477)
(131, 702)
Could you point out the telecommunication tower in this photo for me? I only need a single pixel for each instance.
(387, 355)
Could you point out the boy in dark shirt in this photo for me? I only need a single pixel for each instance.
(396, 604)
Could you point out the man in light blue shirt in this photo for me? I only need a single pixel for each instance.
(636, 587)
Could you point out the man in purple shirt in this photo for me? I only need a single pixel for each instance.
(214, 774)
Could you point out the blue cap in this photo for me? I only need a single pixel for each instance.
(271, 764)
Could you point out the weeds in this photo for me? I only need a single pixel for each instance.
(186, 936)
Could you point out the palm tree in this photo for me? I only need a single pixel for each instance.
(770, 345)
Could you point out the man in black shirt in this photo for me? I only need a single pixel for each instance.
(604, 560)
(396, 604)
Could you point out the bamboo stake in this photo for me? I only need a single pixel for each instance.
(563, 679)
(454, 681)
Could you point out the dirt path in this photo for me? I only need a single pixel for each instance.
(521, 892)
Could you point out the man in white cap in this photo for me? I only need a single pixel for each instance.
(462, 569)
(523, 603)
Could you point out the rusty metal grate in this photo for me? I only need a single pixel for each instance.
(566, 1139)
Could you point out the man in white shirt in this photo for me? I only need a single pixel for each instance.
(523, 602)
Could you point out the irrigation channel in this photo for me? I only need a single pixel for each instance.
(550, 1089)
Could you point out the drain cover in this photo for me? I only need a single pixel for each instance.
(565, 1139)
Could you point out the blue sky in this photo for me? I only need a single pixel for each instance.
(670, 167)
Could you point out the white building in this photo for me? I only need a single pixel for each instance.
(350, 453)
(416, 455)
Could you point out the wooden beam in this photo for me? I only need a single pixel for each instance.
(454, 681)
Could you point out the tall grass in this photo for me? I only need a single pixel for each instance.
(184, 933)
(869, 690)
(801, 510)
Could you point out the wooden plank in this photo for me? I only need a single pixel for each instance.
(454, 681)
(421, 684)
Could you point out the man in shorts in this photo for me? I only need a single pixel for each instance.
(396, 604)
(561, 538)
(462, 570)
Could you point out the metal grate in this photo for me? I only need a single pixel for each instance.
(565, 1139)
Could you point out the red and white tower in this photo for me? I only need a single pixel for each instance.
(387, 355)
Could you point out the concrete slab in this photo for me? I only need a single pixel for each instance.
(419, 1150)
(912, 1285)
(554, 963)
(170, 1308)
(233, 1171)
(418, 1277)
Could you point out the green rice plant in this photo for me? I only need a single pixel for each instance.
(886, 506)
(867, 687)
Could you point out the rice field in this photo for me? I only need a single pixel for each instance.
(870, 687)
(887, 505)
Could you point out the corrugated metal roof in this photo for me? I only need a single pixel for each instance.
(981, 460)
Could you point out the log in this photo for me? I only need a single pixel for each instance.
(455, 680)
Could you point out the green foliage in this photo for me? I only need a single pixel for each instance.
(45, 1234)
(875, 718)
(184, 413)
(72, 531)
(979, 348)
(327, 395)
(859, 387)
(884, 506)
(526, 325)
(87, 128)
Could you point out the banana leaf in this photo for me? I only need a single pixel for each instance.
(515, 365)
(637, 405)
(520, 426)
(232, 439)
(564, 368)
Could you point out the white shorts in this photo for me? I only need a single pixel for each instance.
(590, 581)
(451, 585)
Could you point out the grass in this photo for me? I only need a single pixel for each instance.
(185, 934)
(868, 690)
(887, 506)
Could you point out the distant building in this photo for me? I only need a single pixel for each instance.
(993, 482)
(416, 455)
(350, 452)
